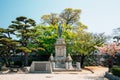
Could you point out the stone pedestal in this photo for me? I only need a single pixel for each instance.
(78, 65)
(69, 60)
(60, 53)
(61, 61)
(70, 65)
(53, 65)
(66, 66)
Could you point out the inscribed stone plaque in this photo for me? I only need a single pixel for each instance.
(41, 66)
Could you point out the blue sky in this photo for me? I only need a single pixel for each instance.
(98, 15)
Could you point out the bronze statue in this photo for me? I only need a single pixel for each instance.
(59, 30)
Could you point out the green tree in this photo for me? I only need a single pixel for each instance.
(70, 16)
(7, 46)
(23, 28)
(50, 19)
(47, 37)
(84, 42)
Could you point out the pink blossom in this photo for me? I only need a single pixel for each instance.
(110, 49)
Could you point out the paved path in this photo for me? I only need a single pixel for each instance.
(84, 75)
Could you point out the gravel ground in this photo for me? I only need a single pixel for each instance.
(89, 73)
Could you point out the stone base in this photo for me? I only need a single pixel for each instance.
(59, 64)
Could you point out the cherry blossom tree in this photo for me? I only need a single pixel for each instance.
(110, 49)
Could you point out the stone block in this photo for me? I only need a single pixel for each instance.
(41, 67)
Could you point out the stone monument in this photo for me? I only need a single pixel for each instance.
(60, 53)
(60, 49)
(60, 60)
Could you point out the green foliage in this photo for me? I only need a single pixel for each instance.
(6, 45)
(24, 49)
(23, 28)
(50, 19)
(47, 38)
(82, 44)
(116, 71)
(99, 39)
(70, 16)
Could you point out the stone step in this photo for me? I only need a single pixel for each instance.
(63, 69)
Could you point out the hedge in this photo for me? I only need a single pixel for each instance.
(116, 71)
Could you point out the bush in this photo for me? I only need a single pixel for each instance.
(18, 63)
(116, 71)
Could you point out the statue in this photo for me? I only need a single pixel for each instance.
(59, 30)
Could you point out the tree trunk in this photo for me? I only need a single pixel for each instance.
(26, 59)
(6, 60)
(82, 61)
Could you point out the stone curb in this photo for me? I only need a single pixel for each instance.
(111, 77)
